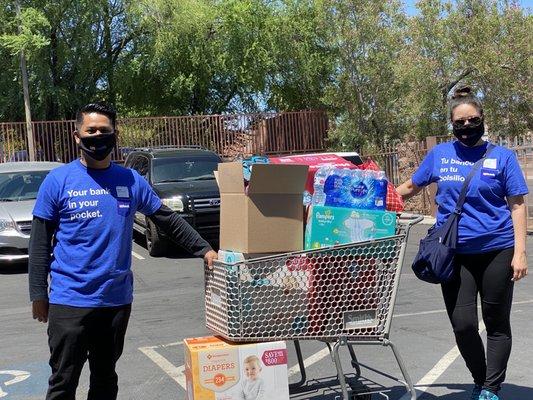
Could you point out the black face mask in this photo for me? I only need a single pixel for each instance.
(469, 134)
(99, 146)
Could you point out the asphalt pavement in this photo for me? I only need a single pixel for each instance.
(168, 307)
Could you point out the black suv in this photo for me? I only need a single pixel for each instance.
(184, 180)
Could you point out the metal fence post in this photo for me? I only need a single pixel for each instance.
(431, 141)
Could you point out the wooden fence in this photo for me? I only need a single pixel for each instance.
(228, 135)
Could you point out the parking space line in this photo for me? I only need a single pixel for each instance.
(309, 361)
(438, 369)
(137, 256)
(419, 313)
(176, 373)
(440, 311)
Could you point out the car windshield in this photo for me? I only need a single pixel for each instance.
(183, 170)
(17, 186)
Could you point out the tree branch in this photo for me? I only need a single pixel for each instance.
(449, 86)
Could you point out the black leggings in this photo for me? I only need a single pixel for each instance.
(488, 274)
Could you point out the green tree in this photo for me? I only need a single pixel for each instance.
(27, 33)
(72, 57)
(367, 38)
(482, 43)
(304, 58)
(381, 74)
(198, 57)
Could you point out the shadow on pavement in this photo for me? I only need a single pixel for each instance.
(462, 391)
(328, 389)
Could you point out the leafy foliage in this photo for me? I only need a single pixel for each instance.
(381, 73)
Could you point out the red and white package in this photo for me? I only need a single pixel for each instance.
(314, 162)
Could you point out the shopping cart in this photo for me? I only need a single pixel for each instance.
(342, 295)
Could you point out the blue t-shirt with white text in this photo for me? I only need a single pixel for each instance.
(485, 223)
(94, 211)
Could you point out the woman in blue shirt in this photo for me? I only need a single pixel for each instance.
(492, 238)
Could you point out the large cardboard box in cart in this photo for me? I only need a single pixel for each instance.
(218, 370)
(265, 217)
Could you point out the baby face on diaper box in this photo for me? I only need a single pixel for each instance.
(329, 226)
(217, 370)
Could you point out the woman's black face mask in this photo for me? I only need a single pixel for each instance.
(98, 146)
(469, 134)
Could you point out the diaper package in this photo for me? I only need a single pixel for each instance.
(350, 188)
(218, 370)
(329, 226)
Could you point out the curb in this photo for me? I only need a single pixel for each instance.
(428, 220)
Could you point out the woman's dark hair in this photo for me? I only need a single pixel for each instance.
(464, 95)
(99, 108)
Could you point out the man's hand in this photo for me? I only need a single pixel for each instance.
(209, 257)
(40, 310)
(519, 265)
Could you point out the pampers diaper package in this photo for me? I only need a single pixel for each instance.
(350, 188)
(329, 226)
(218, 370)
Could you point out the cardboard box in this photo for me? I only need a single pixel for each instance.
(218, 370)
(329, 226)
(269, 217)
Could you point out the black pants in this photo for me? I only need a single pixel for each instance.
(77, 334)
(488, 274)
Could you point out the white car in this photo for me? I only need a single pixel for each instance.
(19, 184)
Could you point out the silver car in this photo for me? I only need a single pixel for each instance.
(19, 184)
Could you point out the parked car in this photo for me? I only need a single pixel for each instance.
(183, 177)
(19, 184)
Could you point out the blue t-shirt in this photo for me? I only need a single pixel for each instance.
(485, 223)
(94, 210)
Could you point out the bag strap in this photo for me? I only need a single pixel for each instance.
(464, 189)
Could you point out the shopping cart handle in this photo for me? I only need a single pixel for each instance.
(410, 219)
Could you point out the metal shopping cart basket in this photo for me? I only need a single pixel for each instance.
(343, 295)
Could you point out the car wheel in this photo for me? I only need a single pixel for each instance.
(155, 244)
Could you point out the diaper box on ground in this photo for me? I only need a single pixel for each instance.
(329, 226)
(218, 370)
(267, 217)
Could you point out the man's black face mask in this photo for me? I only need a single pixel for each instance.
(98, 146)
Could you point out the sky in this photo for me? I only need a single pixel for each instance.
(411, 9)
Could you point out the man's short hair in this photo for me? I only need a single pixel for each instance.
(99, 108)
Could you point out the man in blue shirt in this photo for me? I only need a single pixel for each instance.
(84, 217)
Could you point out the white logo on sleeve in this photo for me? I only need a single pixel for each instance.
(490, 163)
(122, 191)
